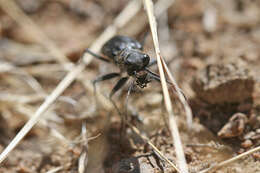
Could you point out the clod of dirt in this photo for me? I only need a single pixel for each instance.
(224, 92)
(224, 83)
(234, 127)
(256, 155)
(247, 144)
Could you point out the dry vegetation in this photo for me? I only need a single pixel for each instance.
(210, 46)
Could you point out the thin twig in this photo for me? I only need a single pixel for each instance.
(32, 82)
(44, 123)
(49, 101)
(83, 159)
(211, 144)
(226, 162)
(180, 95)
(77, 141)
(30, 98)
(153, 146)
(173, 126)
(55, 169)
(131, 9)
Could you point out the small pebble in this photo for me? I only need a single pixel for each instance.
(256, 155)
(249, 135)
(257, 131)
(247, 143)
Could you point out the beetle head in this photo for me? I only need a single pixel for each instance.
(136, 61)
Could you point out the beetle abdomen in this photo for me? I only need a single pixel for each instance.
(116, 44)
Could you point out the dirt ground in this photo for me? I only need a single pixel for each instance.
(212, 48)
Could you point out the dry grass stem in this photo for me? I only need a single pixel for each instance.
(211, 144)
(70, 77)
(154, 147)
(226, 162)
(32, 82)
(55, 169)
(40, 70)
(162, 6)
(180, 95)
(44, 123)
(20, 98)
(83, 159)
(25, 99)
(173, 126)
(47, 103)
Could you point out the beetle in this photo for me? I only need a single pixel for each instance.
(127, 54)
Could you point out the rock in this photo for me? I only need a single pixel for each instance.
(224, 83)
(247, 143)
(234, 127)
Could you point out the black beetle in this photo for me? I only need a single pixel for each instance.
(127, 54)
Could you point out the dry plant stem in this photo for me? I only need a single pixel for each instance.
(25, 99)
(83, 159)
(55, 169)
(38, 89)
(154, 147)
(211, 144)
(161, 6)
(40, 70)
(226, 162)
(130, 10)
(11, 8)
(43, 123)
(180, 95)
(32, 82)
(35, 118)
(173, 126)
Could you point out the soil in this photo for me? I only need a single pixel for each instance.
(212, 49)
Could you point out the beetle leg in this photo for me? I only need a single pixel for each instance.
(97, 56)
(119, 85)
(104, 77)
(127, 97)
(100, 79)
(153, 75)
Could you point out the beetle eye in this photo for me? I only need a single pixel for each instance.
(146, 59)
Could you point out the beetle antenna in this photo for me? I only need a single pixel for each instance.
(153, 75)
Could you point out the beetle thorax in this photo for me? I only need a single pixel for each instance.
(132, 60)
